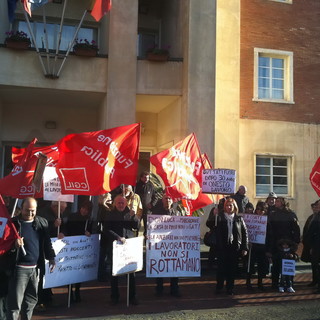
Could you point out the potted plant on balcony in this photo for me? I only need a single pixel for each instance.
(154, 53)
(84, 47)
(17, 40)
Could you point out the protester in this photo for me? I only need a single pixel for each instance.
(146, 191)
(118, 225)
(105, 205)
(249, 209)
(312, 237)
(271, 201)
(232, 242)
(164, 207)
(77, 224)
(284, 225)
(241, 198)
(50, 213)
(23, 281)
(287, 250)
(306, 252)
(258, 253)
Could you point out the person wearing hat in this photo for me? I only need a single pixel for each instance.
(271, 201)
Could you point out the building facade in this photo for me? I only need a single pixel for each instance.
(241, 75)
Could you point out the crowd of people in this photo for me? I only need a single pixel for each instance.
(120, 215)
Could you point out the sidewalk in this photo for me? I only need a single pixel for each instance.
(197, 295)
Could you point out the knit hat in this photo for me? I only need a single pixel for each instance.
(272, 195)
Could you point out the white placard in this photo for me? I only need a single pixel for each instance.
(77, 260)
(127, 257)
(219, 181)
(173, 246)
(52, 187)
(257, 227)
(3, 223)
(288, 267)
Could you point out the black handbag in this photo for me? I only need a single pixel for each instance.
(210, 238)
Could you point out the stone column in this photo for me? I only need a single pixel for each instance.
(198, 99)
(119, 106)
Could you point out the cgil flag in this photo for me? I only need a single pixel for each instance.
(8, 232)
(18, 183)
(315, 177)
(100, 8)
(180, 168)
(93, 163)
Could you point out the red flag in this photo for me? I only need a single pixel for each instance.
(315, 177)
(51, 152)
(18, 183)
(180, 168)
(100, 8)
(8, 232)
(93, 163)
(203, 198)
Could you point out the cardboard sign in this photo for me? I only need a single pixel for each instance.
(288, 267)
(173, 246)
(127, 257)
(77, 260)
(257, 227)
(219, 181)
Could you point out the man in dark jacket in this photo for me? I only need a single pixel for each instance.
(241, 198)
(32, 248)
(120, 223)
(146, 191)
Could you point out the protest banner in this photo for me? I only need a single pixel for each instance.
(219, 181)
(257, 227)
(52, 187)
(173, 246)
(288, 267)
(127, 257)
(77, 260)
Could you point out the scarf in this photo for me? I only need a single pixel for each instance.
(229, 218)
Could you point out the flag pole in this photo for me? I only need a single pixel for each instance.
(59, 36)
(33, 39)
(14, 207)
(71, 43)
(59, 216)
(46, 37)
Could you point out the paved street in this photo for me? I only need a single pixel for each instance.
(198, 301)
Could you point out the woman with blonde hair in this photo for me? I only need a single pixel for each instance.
(232, 242)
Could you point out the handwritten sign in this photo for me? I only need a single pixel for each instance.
(52, 187)
(173, 246)
(257, 227)
(77, 260)
(288, 267)
(127, 257)
(219, 181)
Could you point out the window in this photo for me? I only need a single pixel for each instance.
(146, 40)
(53, 31)
(273, 173)
(273, 76)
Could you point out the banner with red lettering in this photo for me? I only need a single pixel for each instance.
(93, 163)
(8, 232)
(18, 184)
(315, 177)
(180, 168)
